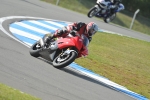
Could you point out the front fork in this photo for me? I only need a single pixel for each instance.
(98, 8)
(41, 42)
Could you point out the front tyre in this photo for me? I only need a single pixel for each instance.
(35, 49)
(64, 60)
(93, 11)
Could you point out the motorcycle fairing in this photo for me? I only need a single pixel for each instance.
(103, 3)
(68, 42)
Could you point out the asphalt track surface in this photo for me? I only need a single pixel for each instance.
(37, 77)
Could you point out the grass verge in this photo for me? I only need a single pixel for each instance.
(8, 93)
(123, 60)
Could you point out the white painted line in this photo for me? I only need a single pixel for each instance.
(32, 28)
(51, 22)
(110, 32)
(25, 34)
(28, 44)
(1, 27)
(110, 83)
(41, 24)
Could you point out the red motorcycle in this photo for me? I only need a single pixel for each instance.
(62, 51)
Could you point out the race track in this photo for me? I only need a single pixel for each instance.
(36, 76)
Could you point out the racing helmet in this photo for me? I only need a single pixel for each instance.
(91, 28)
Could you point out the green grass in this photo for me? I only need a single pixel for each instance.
(123, 60)
(141, 24)
(124, 18)
(8, 93)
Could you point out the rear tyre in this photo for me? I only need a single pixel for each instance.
(107, 20)
(61, 62)
(93, 11)
(34, 50)
(110, 18)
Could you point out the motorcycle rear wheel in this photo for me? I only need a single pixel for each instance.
(110, 18)
(59, 62)
(92, 12)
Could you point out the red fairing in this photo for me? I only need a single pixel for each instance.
(70, 41)
(83, 52)
(77, 41)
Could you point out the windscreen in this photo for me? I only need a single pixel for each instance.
(85, 40)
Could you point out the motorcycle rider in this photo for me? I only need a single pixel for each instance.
(76, 29)
(116, 6)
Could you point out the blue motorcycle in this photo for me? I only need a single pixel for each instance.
(102, 10)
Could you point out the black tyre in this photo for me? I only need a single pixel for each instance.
(110, 18)
(34, 51)
(113, 17)
(107, 20)
(92, 12)
(60, 62)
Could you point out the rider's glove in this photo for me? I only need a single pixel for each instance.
(74, 28)
(90, 39)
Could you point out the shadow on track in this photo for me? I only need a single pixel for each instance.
(76, 73)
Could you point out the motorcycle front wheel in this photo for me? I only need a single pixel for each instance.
(64, 60)
(92, 12)
(35, 49)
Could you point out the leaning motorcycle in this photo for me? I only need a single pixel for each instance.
(102, 10)
(61, 52)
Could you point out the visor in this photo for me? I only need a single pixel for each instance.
(92, 32)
